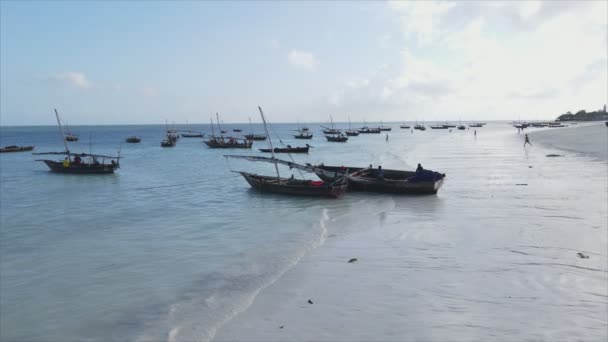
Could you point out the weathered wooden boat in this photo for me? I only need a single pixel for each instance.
(396, 181)
(331, 131)
(369, 130)
(384, 128)
(133, 139)
(447, 125)
(337, 138)
(303, 135)
(253, 136)
(439, 127)
(16, 149)
(420, 127)
(476, 124)
(79, 163)
(257, 137)
(192, 135)
(289, 186)
(462, 127)
(297, 187)
(168, 143)
(351, 133)
(288, 149)
(228, 142)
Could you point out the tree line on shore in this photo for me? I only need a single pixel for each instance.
(583, 115)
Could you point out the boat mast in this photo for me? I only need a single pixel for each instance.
(270, 142)
(212, 130)
(65, 143)
(217, 115)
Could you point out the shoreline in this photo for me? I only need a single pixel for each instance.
(588, 139)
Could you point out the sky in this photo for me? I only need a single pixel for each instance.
(137, 62)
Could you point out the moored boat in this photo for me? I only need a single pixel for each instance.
(384, 180)
(133, 139)
(16, 148)
(337, 138)
(288, 149)
(303, 135)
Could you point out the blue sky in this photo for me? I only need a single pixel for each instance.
(144, 62)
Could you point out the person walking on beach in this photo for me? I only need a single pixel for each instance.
(387, 138)
(475, 133)
(527, 141)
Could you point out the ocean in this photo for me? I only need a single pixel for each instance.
(174, 245)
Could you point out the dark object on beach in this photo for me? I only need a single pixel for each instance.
(337, 138)
(582, 256)
(529, 166)
(133, 139)
(288, 149)
(75, 164)
(310, 302)
(16, 148)
(521, 184)
(353, 260)
(606, 123)
(391, 181)
(281, 327)
(553, 155)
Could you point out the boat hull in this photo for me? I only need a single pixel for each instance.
(16, 149)
(57, 166)
(293, 187)
(286, 150)
(213, 144)
(395, 182)
(299, 136)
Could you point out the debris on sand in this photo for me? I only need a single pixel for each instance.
(521, 184)
(353, 260)
(582, 256)
(281, 327)
(310, 301)
(554, 155)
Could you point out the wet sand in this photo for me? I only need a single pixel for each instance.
(586, 138)
(492, 257)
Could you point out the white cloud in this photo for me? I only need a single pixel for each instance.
(304, 60)
(75, 79)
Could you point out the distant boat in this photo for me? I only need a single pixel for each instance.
(226, 142)
(337, 138)
(14, 148)
(133, 139)
(420, 127)
(438, 126)
(79, 163)
(288, 149)
(290, 186)
(252, 136)
(192, 135)
(384, 128)
(351, 132)
(404, 126)
(462, 127)
(237, 130)
(167, 143)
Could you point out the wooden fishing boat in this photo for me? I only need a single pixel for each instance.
(337, 138)
(16, 149)
(133, 139)
(168, 143)
(228, 142)
(190, 134)
(384, 128)
(369, 130)
(289, 186)
(439, 127)
(238, 130)
(392, 181)
(297, 187)
(404, 126)
(420, 127)
(288, 149)
(303, 135)
(351, 132)
(253, 136)
(79, 163)
(462, 127)
(71, 137)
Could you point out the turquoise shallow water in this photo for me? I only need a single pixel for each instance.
(174, 239)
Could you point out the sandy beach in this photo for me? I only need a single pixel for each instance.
(492, 257)
(586, 138)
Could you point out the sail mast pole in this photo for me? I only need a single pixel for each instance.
(218, 124)
(212, 129)
(270, 142)
(65, 143)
